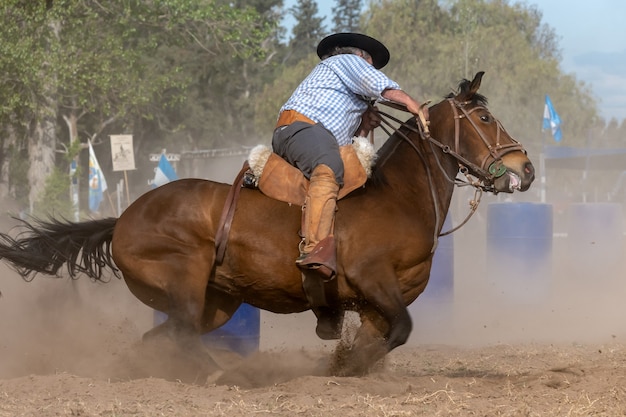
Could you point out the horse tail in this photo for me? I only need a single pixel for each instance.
(43, 247)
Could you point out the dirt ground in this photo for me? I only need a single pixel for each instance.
(71, 348)
(501, 380)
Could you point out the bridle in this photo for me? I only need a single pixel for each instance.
(490, 167)
(481, 177)
(496, 151)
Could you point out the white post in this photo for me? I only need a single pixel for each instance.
(74, 190)
(120, 194)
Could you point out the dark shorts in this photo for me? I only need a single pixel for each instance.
(306, 146)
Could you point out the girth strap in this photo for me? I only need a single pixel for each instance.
(228, 212)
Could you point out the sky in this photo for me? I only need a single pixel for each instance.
(592, 38)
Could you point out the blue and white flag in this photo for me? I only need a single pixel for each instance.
(164, 172)
(97, 182)
(551, 120)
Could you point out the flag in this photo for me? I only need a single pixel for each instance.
(97, 182)
(551, 120)
(164, 172)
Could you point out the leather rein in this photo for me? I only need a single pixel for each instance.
(484, 175)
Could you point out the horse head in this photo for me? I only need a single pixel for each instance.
(479, 142)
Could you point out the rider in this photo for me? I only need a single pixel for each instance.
(326, 110)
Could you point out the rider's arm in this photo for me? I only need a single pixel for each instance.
(401, 97)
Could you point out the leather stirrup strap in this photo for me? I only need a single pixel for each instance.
(228, 212)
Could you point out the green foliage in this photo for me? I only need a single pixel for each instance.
(307, 31)
(106, 68)
(277, 93)
(197, 74)
(55, 200)
(18, 174)
(346, 15)
(20, 57)
(433, 47)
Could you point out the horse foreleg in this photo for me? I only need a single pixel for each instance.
(385, 325)
(386, 298)
(368, 347)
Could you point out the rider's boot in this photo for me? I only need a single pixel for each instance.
(317, 250)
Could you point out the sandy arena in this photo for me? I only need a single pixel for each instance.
(70, 348)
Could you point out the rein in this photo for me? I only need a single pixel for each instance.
(485, 176)
(496, 151)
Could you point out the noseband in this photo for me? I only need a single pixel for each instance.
(490, 167)
(496, 151)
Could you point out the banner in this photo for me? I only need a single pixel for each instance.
(97, 182)
(164, 172)
(551, 120)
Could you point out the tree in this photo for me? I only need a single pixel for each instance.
(307, 32)
(433, 47)
(276, 93)
(28, 90)
(346, 15)
(126, 69)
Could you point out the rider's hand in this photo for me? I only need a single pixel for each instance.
(370, 119)
(414, 108)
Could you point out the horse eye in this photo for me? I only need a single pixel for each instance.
(485, 118)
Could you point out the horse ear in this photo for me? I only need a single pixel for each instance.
(475, 84)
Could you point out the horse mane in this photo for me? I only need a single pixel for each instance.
(463, 90)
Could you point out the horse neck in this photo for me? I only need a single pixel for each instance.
(414, 170)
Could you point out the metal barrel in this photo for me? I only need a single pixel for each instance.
(440, 286)
(241, 334)
(519, 251)
(594, 238)
(433, 311)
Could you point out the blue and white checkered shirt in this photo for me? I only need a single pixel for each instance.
(336, 94)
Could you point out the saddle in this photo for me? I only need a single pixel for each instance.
(278, 179)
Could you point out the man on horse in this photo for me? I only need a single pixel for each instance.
(329, 108)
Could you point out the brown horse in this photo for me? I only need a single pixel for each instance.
(164, 244)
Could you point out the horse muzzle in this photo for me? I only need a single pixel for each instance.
(515, 179)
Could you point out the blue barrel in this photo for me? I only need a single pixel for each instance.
(433, 313)
(594, 238)
(519, 251)
(241, 334)
(440, 286)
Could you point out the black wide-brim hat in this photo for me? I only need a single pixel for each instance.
(378, 51)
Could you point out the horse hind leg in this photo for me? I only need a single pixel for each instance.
(174, 349)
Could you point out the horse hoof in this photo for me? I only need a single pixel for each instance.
(329, 328)
(214, 377)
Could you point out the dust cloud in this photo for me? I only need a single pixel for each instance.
(572, 293)
(85, 328)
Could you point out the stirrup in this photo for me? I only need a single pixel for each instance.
(322, 259)
(301, 258)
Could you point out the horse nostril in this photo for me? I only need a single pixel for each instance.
(529, 168)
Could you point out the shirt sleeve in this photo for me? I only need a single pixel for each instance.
(359, 76)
